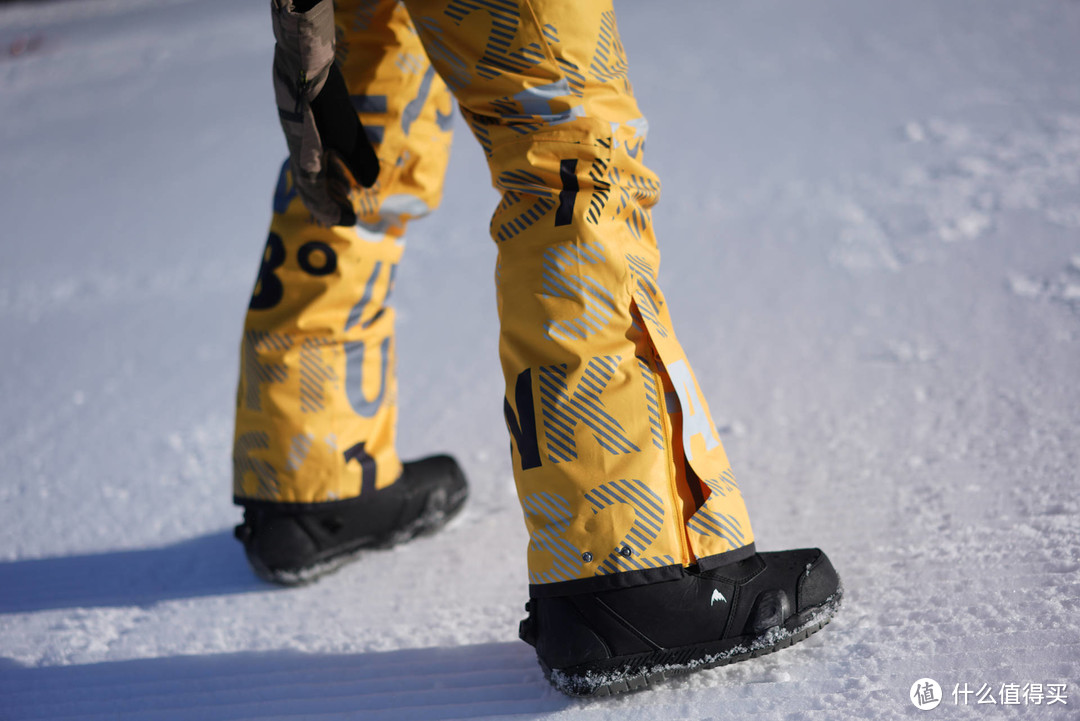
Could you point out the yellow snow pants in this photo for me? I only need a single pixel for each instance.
(620, 472)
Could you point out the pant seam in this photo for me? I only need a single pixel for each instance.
(669, 435)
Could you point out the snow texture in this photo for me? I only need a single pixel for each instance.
(871, 227)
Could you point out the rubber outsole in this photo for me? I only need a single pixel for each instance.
(637, 673)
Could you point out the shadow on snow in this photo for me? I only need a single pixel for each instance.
(209, 565)
(473, 681)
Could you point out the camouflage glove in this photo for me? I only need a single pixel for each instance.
(329, 152)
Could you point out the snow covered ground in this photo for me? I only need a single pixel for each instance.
(871, 221)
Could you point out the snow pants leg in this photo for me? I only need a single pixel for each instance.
(316, 406)
(620, 472)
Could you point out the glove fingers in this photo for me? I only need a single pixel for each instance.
(339, 186)
(325, 210)
(363, 162)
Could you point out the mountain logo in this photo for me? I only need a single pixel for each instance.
(717, 596)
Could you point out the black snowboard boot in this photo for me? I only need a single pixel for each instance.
(294, 544)
(595, 644)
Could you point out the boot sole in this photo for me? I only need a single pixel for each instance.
(637, 673)
(436, 515)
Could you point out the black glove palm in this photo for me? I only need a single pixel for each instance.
(351, 158)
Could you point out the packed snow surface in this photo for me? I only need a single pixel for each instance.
(871, 228)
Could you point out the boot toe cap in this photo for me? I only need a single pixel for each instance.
(817, 583)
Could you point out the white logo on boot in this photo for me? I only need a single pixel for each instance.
(717, 596)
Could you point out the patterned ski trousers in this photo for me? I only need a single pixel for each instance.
(620, 472)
